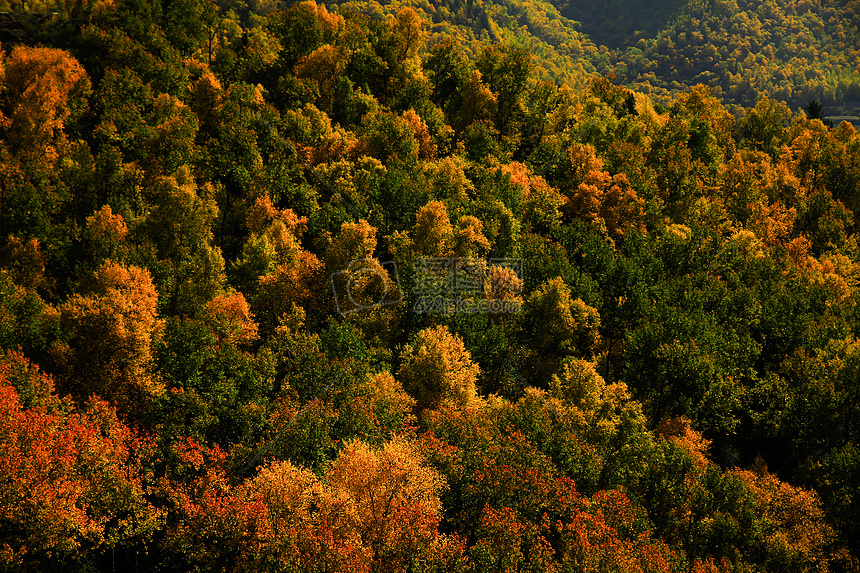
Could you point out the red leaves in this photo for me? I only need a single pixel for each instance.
(66, 479)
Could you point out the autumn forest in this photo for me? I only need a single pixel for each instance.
(428, 286)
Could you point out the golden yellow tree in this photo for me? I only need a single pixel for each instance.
(437, 369)
(112, 324)
(396, 500)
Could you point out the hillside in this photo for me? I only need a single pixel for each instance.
(788, 50)
(349, 289)
(793, 51)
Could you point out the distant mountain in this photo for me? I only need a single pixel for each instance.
(791, 50)
(617, 23)
(560, 51)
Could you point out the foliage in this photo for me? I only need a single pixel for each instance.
(224, 225)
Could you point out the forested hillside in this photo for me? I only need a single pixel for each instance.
(795, 51)
(792, 51)
(339, 288)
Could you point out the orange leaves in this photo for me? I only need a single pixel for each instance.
(375, 509)
(292, 283)
(541, 207)
(104, 225)
(771, 223)
(680, 431)
(40, 83)
(395, 497)
(26, 264)
(500, 541)
(107, 233)
(230, 318)
(799, 535)
(329, 23)
(426, 147)
(599, 199)
(206, 94)
(263, 213)
(590, 544)
(112, 326)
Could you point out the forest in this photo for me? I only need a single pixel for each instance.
(440, 287)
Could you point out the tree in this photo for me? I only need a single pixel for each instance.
(180, 227)
(70, 485)
(437, 369)
(765, 126)
(111, 323)
(506, 69)
(555, 326)
(45, 88)
(396, 501)
(433, 234)
(798, 533)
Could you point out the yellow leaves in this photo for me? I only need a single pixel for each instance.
(376, 508)
(589, 403)
(578, 383)
(355, 241)
(449, 180)
(435, 236)
(410, 29)
(569, 325)
(433, 230)
(386, 392)
(287, 492)
(437, 369)
(747, 244)
(479, 103)
(279, 229)
(470, 239)
(324, 66)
